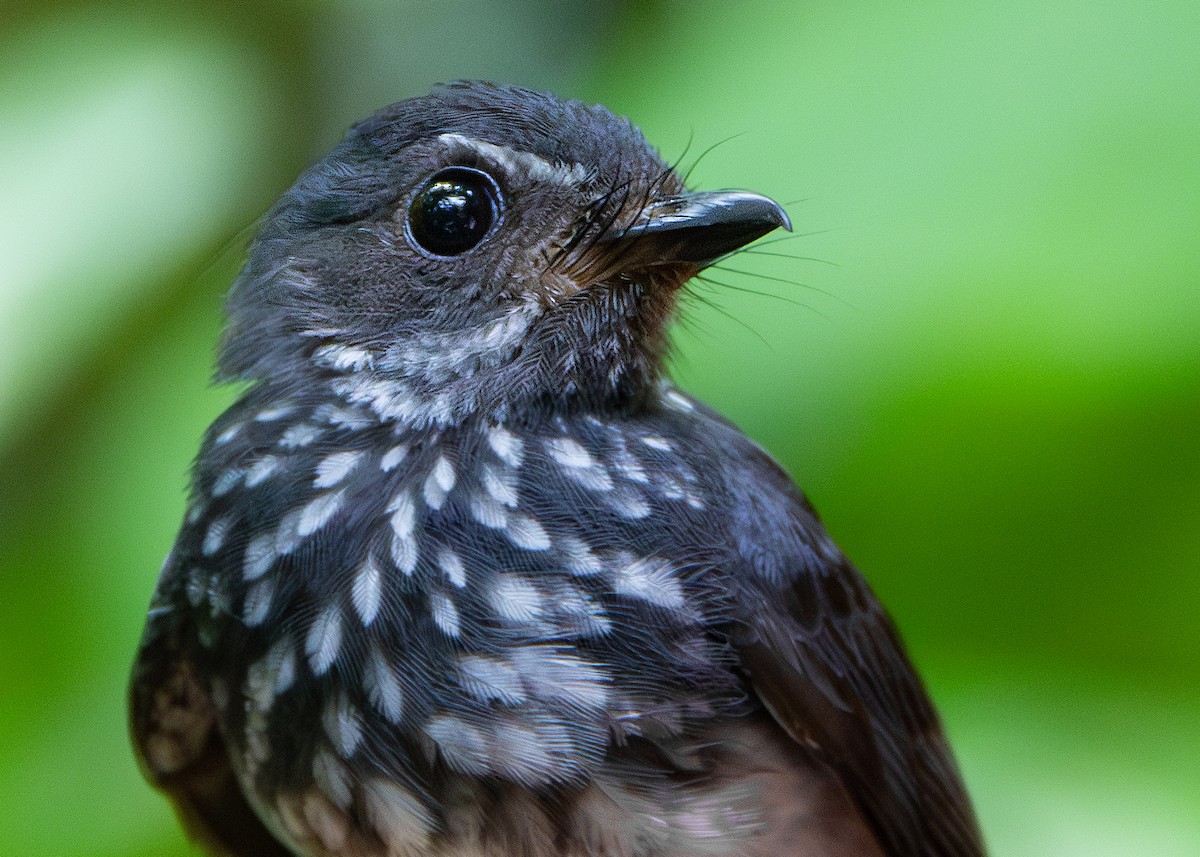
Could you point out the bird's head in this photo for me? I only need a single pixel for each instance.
(479, 250)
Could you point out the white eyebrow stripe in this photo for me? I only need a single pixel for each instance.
(526, 163)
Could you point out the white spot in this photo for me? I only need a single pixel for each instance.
(287, 666)
(452, 567)
(526, 532)
(261, 470)
(439, 482)
(569, 452)
(286, 537)
(403, 514)
(332, 778)
(651, 579)
(627, 465)
(336, 467)
(504, 331)
(261, 679)
(342, 724)
(214, 538)
(367, 590)
(405, 554)
(258, 693)
(342, 357)
(443, 473)
(506, 445)
(383, 688)
(266, 679)
(463, 746)
(194, 514)
(392, 458)
(579, 464)
(398, 818)
(580, 610)
(318, 512)
(580, 560)
(228, 435)
(593, 478)
(227, 481)
(656, 442)
(258, 603)
(301, 434)
(404, 546)
(389, 399)
(555, 673)
(500, 485)
(445, 614)
(629, 503)
(268, 415)
(676, 400)
(435, 358)
(347, 418)
(490, 679)
(534, 749)
(488, 512)
(321, 332)
(671, 488)
(324, 639)
(515, 598)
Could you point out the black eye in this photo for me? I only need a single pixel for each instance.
(454, 211)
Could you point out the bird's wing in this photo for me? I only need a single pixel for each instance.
(173, 723)
(828, 664)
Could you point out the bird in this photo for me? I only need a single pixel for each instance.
(463, 573)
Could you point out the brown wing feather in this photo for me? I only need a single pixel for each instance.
(828, 664)
(846, 690)
(174, 729)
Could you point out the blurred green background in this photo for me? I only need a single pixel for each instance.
(990, 383)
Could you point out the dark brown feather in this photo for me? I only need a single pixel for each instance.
(846, 690)
(825, 659)
(174, 729)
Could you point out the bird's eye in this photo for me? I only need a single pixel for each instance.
(454, 211)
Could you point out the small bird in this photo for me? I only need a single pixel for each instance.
(462, 573)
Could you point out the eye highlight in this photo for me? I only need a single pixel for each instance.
(454, 211)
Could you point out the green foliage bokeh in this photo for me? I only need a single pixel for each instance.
(979, 357)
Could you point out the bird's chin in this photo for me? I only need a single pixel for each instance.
(657, 281)
(557, 288)
(601, 282)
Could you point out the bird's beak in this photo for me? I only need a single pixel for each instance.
(699, 228)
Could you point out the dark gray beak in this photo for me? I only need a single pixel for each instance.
(702, 227)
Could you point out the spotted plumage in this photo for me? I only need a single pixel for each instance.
(464, 574)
